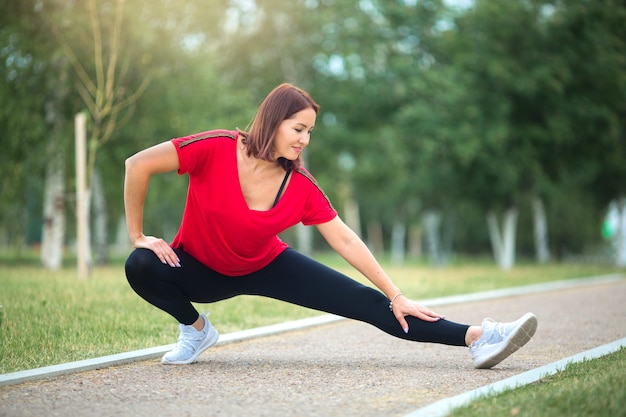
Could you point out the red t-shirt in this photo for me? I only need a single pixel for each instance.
(218, 228)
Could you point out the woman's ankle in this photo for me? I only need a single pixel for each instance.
(473, 334)
(199, 324)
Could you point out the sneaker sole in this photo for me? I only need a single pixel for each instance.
(518, 338)
(208, 342)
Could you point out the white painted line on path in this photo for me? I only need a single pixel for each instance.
(156, 352)
(144, 354)
(443, 407)
(526, 289)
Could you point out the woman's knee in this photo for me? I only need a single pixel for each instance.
(140, 264)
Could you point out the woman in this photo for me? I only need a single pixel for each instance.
(244, 189)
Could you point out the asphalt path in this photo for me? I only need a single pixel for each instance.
(344, 368)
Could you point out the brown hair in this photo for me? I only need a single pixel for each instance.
(280, 104)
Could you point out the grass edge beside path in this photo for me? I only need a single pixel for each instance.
(590, 383)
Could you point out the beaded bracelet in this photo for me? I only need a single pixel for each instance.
(392, 300)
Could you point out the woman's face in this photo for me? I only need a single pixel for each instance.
(293, 134)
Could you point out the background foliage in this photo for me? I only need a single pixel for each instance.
(458, 109)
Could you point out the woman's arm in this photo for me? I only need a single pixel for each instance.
(350, 246)
(139, 168)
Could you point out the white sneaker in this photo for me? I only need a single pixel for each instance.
(191, 343)
(499, 340)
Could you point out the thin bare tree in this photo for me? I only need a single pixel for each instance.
(102, 84)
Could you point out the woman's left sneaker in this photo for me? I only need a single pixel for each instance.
(191, 343)
(499, 340)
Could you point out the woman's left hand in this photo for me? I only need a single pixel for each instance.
(403, 307)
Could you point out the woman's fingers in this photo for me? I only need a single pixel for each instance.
(161, 249)
(411, 308)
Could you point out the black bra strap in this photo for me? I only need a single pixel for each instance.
(282, 187)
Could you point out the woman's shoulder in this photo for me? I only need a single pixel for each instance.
(306, 180)
(302, 171)
(208, 137)
(316, 197)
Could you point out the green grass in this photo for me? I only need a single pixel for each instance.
(590, 388)
(52, 317)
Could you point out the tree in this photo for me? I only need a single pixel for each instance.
(54, 219)
(105, 91)
(500, 49)
(27, 87)
(588, 122)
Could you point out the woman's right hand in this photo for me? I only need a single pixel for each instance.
(163, 251)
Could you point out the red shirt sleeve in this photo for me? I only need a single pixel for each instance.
(190, 162)
(318, 208)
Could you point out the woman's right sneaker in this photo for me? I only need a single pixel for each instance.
(191, 343)
(499, 340)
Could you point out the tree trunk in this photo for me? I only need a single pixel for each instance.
(541, 231)
(503, 243)
(620, 233)
(353, 218)
(122, 242)
(83, 242)
(448, 233)
(415, 241)
(375, 236)
(53, 231)
(100, 221)
(398, 236)
(305, 239)
(432, 224)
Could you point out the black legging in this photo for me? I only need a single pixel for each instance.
(291, 277)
